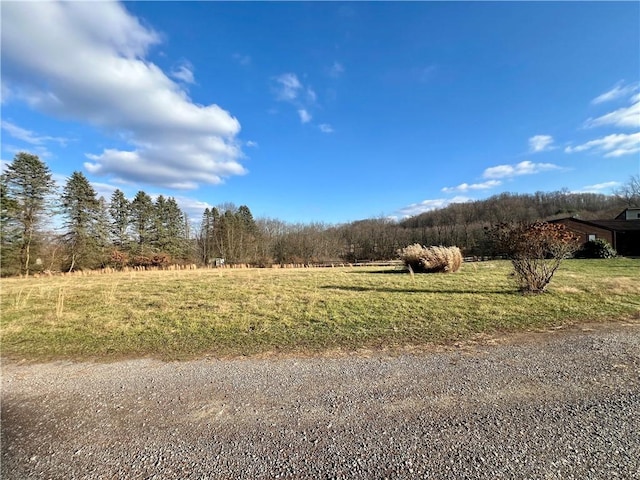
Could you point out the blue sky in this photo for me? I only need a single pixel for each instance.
(325, 111)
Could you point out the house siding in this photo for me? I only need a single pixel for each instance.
(583, 231)
(629, 214)
(623, 235)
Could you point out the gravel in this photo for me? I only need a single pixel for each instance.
(560, 405)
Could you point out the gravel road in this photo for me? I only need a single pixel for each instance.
(555, 405)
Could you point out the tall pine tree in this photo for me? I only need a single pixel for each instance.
(119, 211)
(101, 230)
(175, 226)
(141, 220)
(81, 209)
(205, 237)
(27, 185)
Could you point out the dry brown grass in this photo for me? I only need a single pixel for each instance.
(181, 314)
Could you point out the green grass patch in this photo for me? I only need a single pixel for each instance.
(182, 314)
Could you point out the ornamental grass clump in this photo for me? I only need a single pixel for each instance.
(433, 259)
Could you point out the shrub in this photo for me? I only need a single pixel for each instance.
(597, 248)
(140, 261)
(536, 251)
(118, 259)
(161, 260)
(431, 259)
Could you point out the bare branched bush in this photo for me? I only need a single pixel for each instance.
(118, 259)
(536, 251)
(434, 259)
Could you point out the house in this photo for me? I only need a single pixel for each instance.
(622, 233)
(629, 214)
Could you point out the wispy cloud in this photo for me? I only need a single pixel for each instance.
(184, 72)
(325, 128)
(288, 87)
(615, 145)
(618, 91)
(428, 205)
(108, 82)
(312, 97)
(598, 187)
(305, 116)
(540, 143)
(251, 144)
(336, 70)
(29, 136)
(465, 187)
(626, 117)
(523, 168)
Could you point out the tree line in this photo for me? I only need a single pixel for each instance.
(95, 233)
(144, 231)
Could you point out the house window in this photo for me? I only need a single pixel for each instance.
(591, 237)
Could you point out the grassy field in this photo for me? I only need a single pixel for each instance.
(182, 314)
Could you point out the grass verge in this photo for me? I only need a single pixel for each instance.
(183, 314)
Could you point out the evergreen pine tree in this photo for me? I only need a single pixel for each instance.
(119, 211)
(175, 228)
(81, 209)
(141, 220)
(101, 230)
(26, 187)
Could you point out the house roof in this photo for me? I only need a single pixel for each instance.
(613, 225)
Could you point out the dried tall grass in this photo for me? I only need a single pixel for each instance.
(435, 259)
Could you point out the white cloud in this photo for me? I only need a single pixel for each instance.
(291, 90)
(428, 205)
(104, 189)
(618, 91)
(86, 61)
(192, 207)
(540, 143)
(305, 117)
(615, 145)
(5, 93)
(523, 168)
(628, 117)
(288, 87)
(181, 167)
(465, 187)
(598, 187)
(29, 136)
(325, 128)
(184, 73)
(251, 144)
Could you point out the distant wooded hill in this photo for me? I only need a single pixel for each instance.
(463, 224)
(154, 232)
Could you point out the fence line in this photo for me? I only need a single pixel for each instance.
(193, 266)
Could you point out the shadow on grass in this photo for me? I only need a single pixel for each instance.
(369, 272)
(421, 290)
